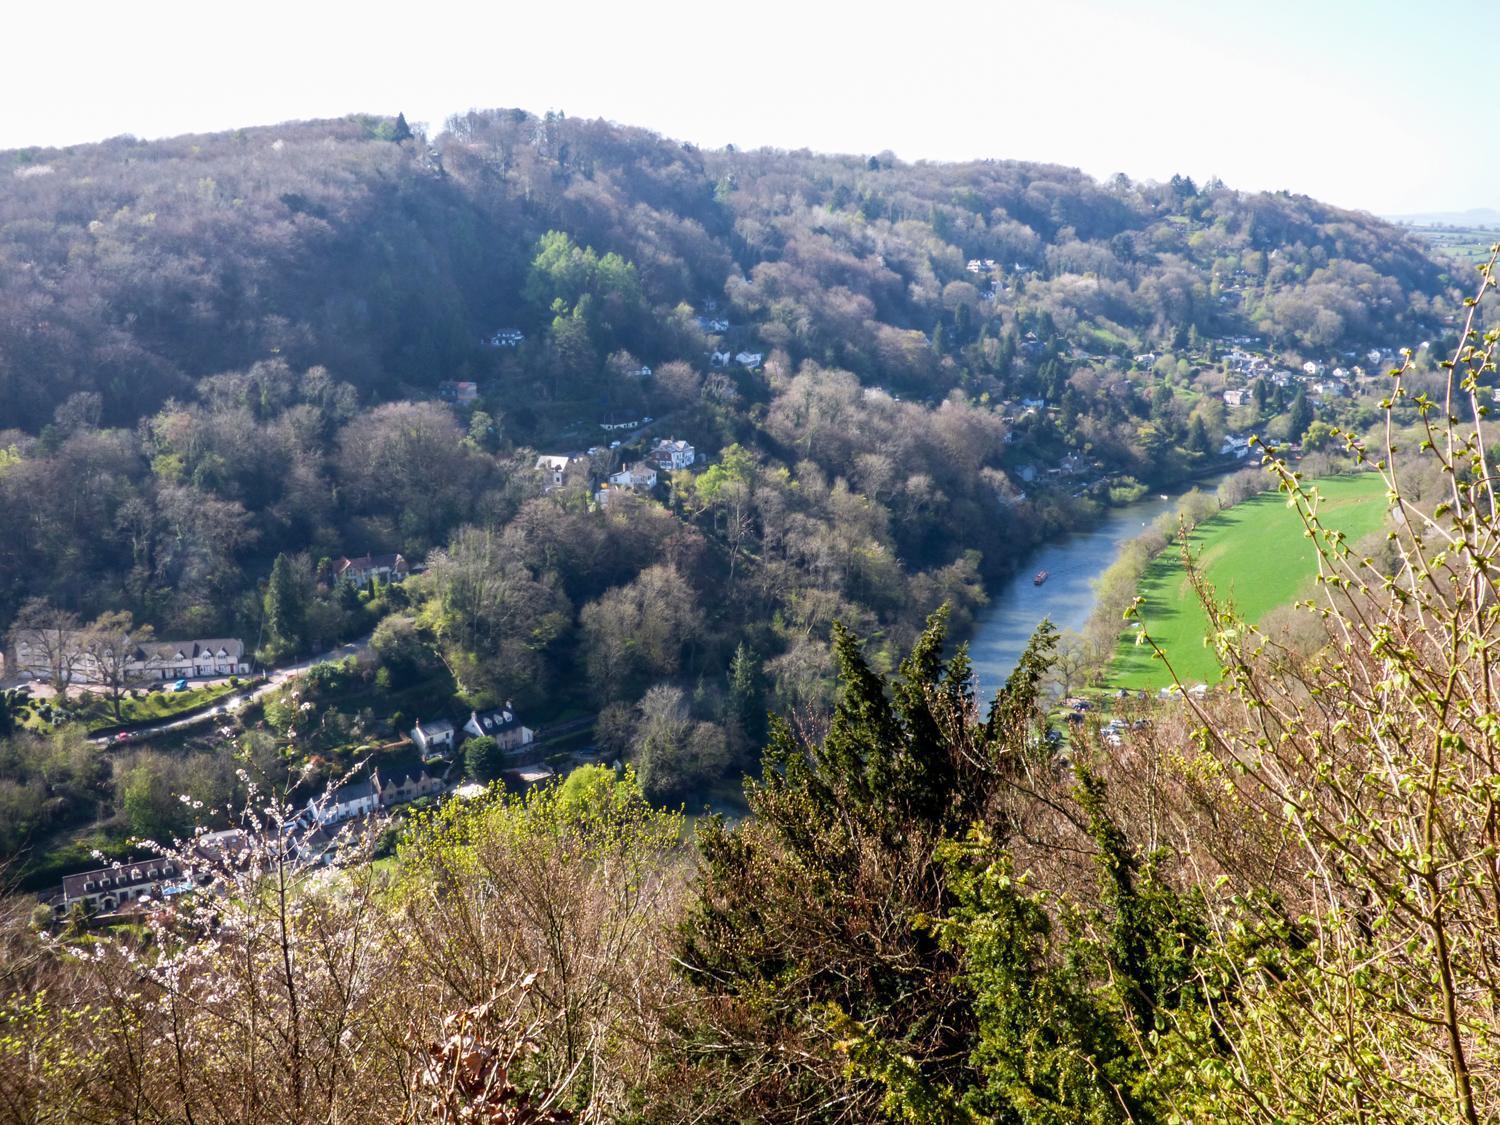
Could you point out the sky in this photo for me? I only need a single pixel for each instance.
(1363, 103)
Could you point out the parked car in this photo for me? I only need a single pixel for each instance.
(180, 685)
(123, 736)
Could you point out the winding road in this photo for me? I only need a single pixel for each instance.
(231, 703)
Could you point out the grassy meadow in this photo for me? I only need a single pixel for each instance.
(1256, 555)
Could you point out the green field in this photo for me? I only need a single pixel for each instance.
(1470, 245)
(1257, 556)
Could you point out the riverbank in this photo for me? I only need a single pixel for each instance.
(1255, 555)
(1073, 562)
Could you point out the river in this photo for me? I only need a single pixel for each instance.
(1072, 562)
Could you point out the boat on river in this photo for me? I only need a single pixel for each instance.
(1040, 577)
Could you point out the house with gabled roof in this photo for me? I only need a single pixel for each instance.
(387, 568)
(672, 454)
(154, 660)
(503, 725)
(639, 477)
(106, 890)
(433, 737)
(554, 467)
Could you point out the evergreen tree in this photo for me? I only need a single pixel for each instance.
(1197, 439)
(1300, 417)
(747, 702)
(286, 611)
(842, 845)
(483, 758)
(1259, 396)
(402, 131)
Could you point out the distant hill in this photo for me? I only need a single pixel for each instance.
(132, 269)
(1474, 217)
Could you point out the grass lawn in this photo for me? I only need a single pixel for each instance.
(151, 708)
(1255, 555)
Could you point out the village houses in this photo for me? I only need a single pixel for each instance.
(108, 889)
(371, 794)
(152, 660)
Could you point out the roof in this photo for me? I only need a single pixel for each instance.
(370, 562)
(164, 651)
(366, 789)
(119, 877)
(228, 648)
(495, 721)
(437, 726)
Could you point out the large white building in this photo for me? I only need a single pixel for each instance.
(670, 454)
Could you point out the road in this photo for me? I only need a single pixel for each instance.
(229, 704)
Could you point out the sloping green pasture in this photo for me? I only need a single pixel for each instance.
(1257, 556)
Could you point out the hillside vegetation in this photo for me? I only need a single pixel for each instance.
(228, 360)
(1273, 901)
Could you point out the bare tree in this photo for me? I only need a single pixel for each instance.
(112, 648)
(52, 637)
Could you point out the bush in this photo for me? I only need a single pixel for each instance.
(483, 758)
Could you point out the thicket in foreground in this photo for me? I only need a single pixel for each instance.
(1379, 756)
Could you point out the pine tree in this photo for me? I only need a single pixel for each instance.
(747, 702)
(1301, 417)
(1197, 439)
(286, 613)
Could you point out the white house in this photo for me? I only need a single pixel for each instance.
(190, 660)
(506, 338)
(720, 359)
(671, 454)
(433, 737)
(639, 477)
(749, 359)
(355, 798)
(387, 568)
(1237, 396)
(107, 889)
(554, 467)
(1235, 445)
(501, 724)
(154, 660)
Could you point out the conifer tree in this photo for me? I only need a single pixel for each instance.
(286, 613)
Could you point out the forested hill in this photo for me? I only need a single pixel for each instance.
(233, 356)
(130, 268)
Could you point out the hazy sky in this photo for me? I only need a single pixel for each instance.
(1360, 102)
